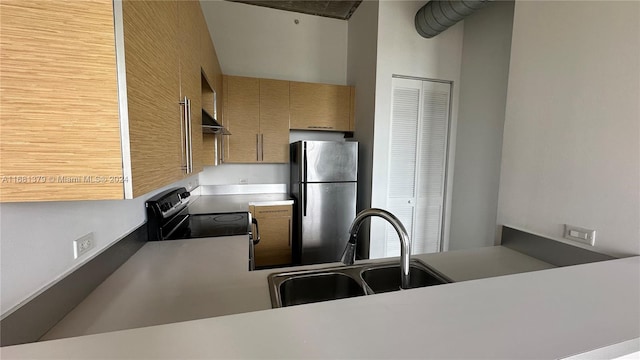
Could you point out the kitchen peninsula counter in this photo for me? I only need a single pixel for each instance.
(545, 314)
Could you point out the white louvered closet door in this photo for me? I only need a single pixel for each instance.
(417, 162)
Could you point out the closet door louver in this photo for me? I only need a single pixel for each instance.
(417, 167)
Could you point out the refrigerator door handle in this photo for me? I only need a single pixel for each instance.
(304, 163)
(304, 199)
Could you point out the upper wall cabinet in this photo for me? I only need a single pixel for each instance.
(189, 28)
(157, 122)
(321, 107)
(60, 123)
(256, 112)
(211, 84)
(72, 128)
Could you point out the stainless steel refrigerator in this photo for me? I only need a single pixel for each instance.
(324, 177)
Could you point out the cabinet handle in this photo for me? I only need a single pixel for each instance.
(289, 232)
(256, 239)
(222, 144)
(183, 136)
(320, 127)
(257, 147)
(261, 147)
(190, 132)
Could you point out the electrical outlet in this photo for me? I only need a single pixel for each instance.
(585, 236)
(82, 245)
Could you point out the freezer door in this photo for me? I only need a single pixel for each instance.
(327, 210)
(325, 161)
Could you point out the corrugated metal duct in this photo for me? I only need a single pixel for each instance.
(437, 16)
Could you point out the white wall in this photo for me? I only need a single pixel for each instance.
(262, 42)
(483, 95)
(36, 239)
(571, 150)
(361, 73)
(402, 51)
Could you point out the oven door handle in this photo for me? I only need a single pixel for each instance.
(256, 239)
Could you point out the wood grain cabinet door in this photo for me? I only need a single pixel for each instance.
(320, 106)
(242, 118)
(212, 76)
(275, 235)
(190, 75)
(59, 119)
(274, 121)
(153, 93)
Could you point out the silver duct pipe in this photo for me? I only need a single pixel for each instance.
(437, 16)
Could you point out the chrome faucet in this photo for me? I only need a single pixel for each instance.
(349, 255)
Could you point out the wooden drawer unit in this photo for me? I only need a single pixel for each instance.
(275, 235)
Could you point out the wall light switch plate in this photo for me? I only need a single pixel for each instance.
(581, 235)
(83, 245)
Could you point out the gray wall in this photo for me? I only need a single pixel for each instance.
(483, 95)
(571, 150)
(361, 73)
(402, 51)
(36, 239)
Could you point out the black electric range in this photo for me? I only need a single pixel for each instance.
(168, 218)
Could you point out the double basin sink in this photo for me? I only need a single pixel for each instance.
(308, 286)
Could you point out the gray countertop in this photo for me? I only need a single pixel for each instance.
(179, 280)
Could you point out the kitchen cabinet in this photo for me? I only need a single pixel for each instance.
(59, 121)
(275, 234)
(256, 112)
(155, 119)
(274, 121)
(190, 14)
(211, 84)
(321, 107)
(72, 128)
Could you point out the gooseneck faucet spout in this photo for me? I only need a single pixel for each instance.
(349, 255)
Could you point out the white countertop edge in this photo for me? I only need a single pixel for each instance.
(612, 351)
(271, 203)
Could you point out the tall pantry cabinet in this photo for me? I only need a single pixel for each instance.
(95, 98)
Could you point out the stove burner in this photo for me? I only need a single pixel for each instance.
(179, 223)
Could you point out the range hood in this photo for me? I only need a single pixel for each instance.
(211, 126)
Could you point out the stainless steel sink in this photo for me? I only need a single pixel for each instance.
(387, 278)
(308, 286)
(318, 287)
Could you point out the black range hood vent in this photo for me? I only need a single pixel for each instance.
(211, 126)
